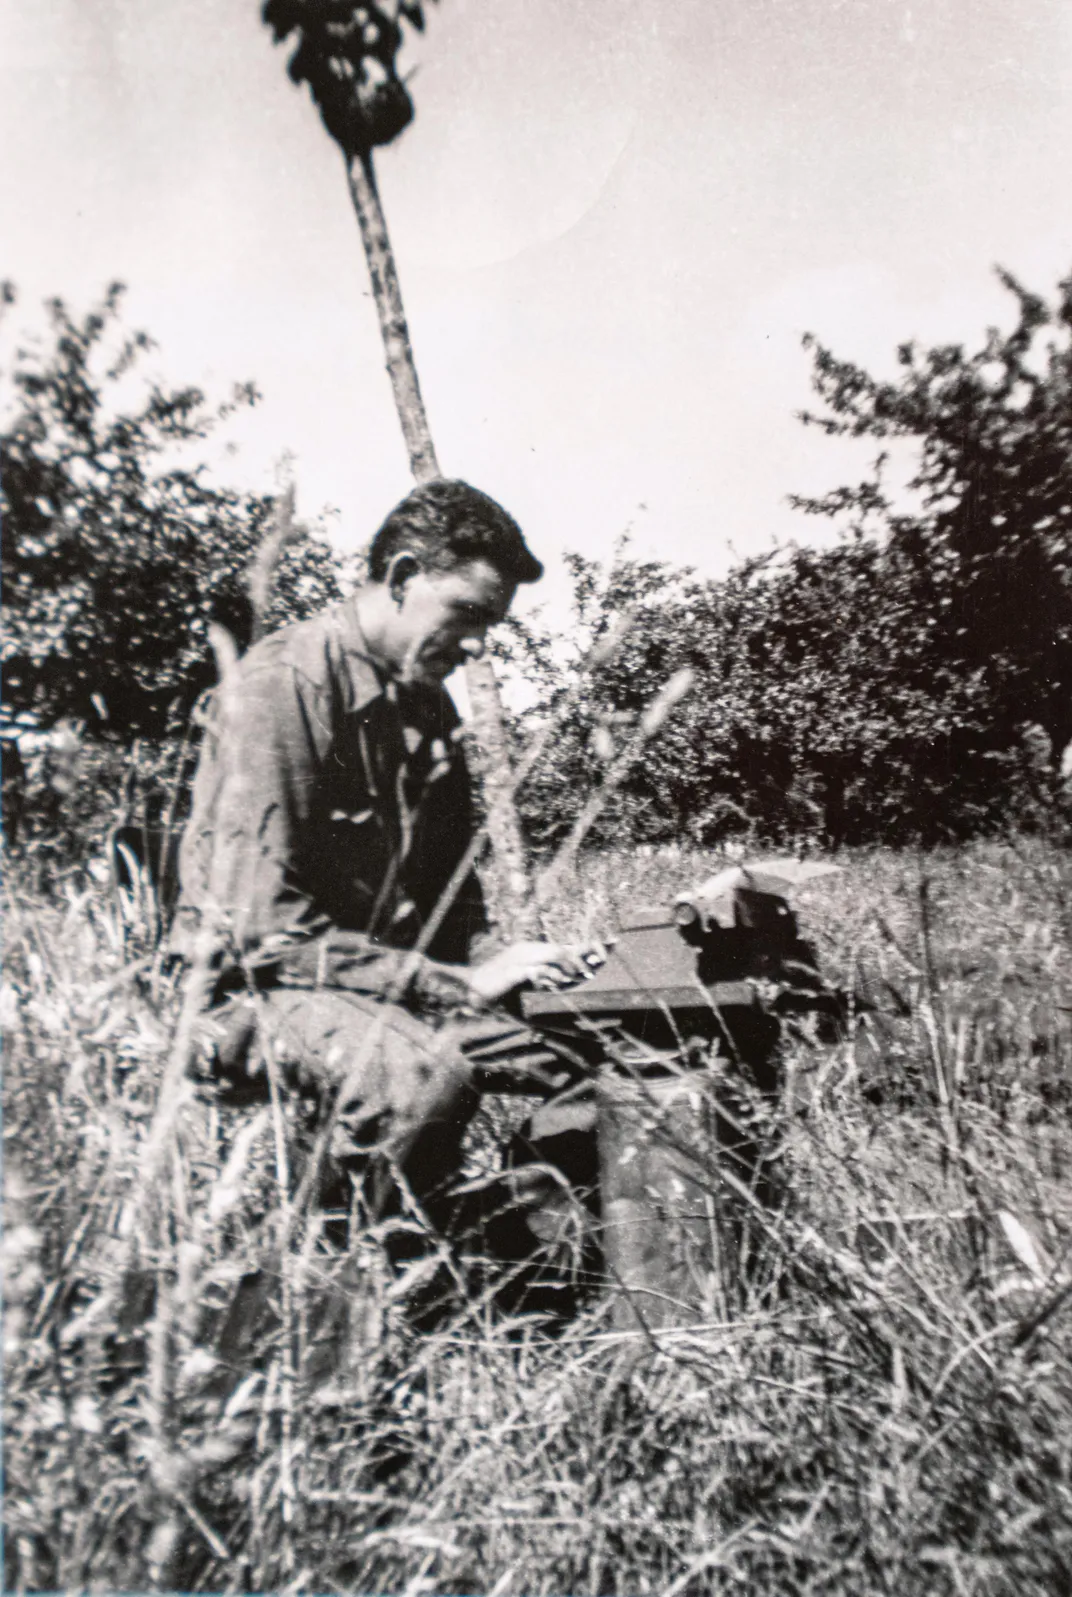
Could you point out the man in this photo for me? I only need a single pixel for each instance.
(330, 808)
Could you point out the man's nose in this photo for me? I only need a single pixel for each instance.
(472, 646)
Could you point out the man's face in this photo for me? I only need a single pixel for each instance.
(443, 616)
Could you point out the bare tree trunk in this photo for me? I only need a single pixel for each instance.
(401, 367)
(510, 901)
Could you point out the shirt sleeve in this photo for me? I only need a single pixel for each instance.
(273, 734)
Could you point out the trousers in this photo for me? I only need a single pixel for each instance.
(402, 1088)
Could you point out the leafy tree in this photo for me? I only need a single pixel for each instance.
(117, 552)
(905, 684)
(824, 706)
(993, 431)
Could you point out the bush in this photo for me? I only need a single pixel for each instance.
(992, 524)
(118, 552)
(825, 705)
(911, 683)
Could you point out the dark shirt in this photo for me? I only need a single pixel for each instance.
(330, 807)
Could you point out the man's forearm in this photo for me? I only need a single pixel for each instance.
(355, 963)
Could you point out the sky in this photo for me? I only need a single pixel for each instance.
(613, 222)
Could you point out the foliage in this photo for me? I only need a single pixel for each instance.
(65, 793)
(993, 431)
(912, 682)
(885, 1407)
(804, 719)
(348, 56)
(117, 552)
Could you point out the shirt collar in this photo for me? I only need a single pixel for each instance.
(367, 680)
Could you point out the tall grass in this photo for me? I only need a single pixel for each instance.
(212, 1391)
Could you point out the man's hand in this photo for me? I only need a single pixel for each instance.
(533, 965)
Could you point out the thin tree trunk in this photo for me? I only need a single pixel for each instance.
(401, 367)
(510, 901)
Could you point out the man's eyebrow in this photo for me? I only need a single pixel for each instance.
(472, 607)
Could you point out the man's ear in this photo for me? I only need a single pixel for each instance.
(403, 566)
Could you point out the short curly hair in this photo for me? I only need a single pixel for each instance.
(446, 523)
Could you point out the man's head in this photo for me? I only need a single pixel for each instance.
(447, 560)
(443, 524)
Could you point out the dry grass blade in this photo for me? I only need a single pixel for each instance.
(262, 569)
(654, 717)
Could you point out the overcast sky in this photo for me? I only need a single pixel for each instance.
(613, 221)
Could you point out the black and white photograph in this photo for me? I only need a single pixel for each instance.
(536, 743)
